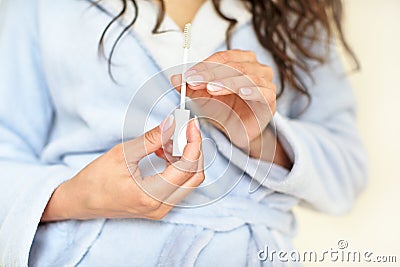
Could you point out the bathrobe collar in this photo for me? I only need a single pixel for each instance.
(208, 29)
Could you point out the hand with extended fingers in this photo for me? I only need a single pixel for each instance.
(235, 91)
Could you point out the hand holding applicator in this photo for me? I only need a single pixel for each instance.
(182, 115)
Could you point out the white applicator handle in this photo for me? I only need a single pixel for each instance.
(182, 115)
(180, 141)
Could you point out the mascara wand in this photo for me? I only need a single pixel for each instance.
(182, 115)
(186, 47)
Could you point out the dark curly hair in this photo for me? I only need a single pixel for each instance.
(280, 26)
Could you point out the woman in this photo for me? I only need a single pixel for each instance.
(73, 195)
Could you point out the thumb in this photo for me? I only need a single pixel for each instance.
(150, 141)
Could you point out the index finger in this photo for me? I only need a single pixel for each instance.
(224, 57)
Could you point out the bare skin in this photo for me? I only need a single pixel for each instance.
(182, 12)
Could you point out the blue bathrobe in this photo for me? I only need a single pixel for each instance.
(59, 110)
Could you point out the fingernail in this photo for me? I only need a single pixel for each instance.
(195, 80)
(168, 148)
(215, 86)
(175, 79)
(246, 91)
(166, 124)
(190, 72)
(196, 122)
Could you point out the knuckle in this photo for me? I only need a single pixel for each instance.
(241, 68)
(187, 167)
(151, 137)
(199, 178)
(117, 153)
(148, 203)
(194, 167)
(271, 98)
(208, 75)
(273, 107)
(250, 54)
(200, 66)
(117, 149)
(202, 177)
(273, 87)
(256, 80)
(269, 71)
(222, 56)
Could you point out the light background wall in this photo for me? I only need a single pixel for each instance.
(373, 28)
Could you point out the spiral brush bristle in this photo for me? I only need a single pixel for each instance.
(186, 34)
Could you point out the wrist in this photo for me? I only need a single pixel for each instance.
(61, 205)
(54, 210)
(263, 146)
(268, 148)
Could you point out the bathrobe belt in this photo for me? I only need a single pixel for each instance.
(196, 227)
(184, 244)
